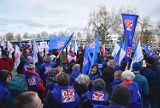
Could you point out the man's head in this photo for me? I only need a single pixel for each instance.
(28, 100)
(62, 79)
(111, 63)
(30, 59)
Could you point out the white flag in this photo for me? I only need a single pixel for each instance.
(115, 50)
(35, 51)
(17, 56)
(10, 49)
(122, 55)
(138, 56)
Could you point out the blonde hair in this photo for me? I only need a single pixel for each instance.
(31, 67)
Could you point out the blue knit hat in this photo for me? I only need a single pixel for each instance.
(136, 66)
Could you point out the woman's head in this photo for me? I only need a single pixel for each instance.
(94, 69)
(83, 80)
(62, 79)
(5, 76)
(31, 67)
(127, 75)
(117, 75)
(99, 84)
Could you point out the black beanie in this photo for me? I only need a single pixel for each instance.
(4, 74)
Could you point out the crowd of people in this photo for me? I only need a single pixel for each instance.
(44, 85)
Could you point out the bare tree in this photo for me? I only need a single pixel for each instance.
(26, 35)
(9, 36)
(18, 37)
(44, 34)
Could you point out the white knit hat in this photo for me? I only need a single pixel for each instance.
(128, 75)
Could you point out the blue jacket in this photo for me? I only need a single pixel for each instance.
(115, 83)
(65, 96)
(73, 76)
(45, 67)
(3, 90)
(135, 98)
(102, 106)
(25, 66)
(97, 97)
(94, 76)
(142, 82)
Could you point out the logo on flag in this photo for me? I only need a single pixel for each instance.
(17, 56)
(99, 96)
(128, 24)
(84, 61)
(92, 45)
(60, 43)
(32, 81)
(129, 51)
(68, 96)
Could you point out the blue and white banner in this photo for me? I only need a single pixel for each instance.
(129, 24)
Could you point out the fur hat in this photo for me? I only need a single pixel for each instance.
(128, 75)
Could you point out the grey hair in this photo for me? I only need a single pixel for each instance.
(99, 84)
(76, 67)
(82, 79)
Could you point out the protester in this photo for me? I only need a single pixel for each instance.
(94, 74)
(5, 78)
(62, 58)
(71, 58)
(121, 97)
(6, 62)
(141, 81)
(151, 74)
(108, 74)
(117, 79)
(75, 73)
(46, 66)
(28, 100)
(81, 86)
(63, 95)
(29, 61)
(34, 81)
(16, 86)
(135, 90)
(98, 95)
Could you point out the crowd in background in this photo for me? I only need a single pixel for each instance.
(43, 85)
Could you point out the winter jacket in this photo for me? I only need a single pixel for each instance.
(142, 82)
(34, 82)
(73, 76)
(94, 76)
(62, 97)
(17, 86)
(115, 83)
(3, 93)
(6, 64)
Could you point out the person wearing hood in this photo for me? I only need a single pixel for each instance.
(135, 98)
(75, 73)
(63, 95)
(16, 86)
(46, 66)
(98, 95)
(6, 62)
(34, 81)
(5, 78)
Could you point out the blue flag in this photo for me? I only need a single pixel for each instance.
(86, 62)
(129, 24)
(94, 45)
(59, 42)
(146, 49)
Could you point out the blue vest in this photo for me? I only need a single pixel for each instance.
(66, 96)
(135, 98)
(45, 67)
(97, 97)
(102, 106)
(32, 80)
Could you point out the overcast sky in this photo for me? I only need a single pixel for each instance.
(35, 16)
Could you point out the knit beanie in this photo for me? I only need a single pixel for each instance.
(136, 66)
